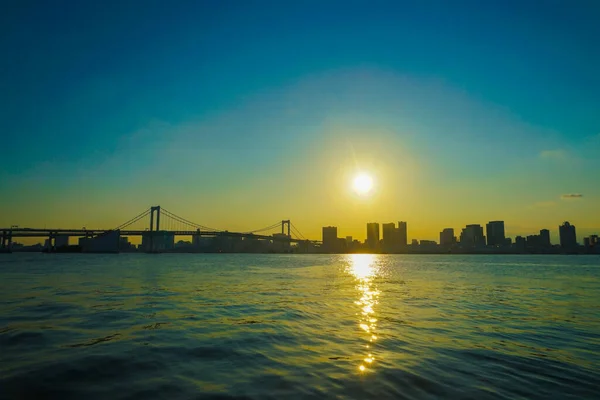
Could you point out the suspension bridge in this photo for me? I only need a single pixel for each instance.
(158, 227)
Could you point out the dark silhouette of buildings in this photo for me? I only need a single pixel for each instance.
(472, 236)
(545, 238)
(330, 239)
(390, 237)
(495, 233)
(402, 234)
(591, 244)
(520, 243)
(447, 237)
(568, 237)
(373, 236)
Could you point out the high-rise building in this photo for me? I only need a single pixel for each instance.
(472, 236)
(402, 235)
(495, 233)
(329, 238)
(373, 235)
(390, 236)
(545, 238)
(568, 238)
(447, 237)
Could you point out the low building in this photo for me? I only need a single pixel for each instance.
(107, 242)
(61, 241)
(158, 241)
(281, 243)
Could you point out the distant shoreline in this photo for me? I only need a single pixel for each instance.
(582, 253)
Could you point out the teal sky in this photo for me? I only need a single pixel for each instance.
(237, 114)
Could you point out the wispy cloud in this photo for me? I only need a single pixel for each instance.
(571, 196)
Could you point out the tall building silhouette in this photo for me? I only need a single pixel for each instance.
(495, 233)
(545, 238)
(402, 234)
(568, 238)
(447, 237)
(390, 236)
(373, 235)
(472, 236)
(329, 238)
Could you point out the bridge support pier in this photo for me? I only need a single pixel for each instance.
(6, 241)
(196, 239)
(153, 228)
(51, 242)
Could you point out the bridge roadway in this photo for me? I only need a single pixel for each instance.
(44, 232)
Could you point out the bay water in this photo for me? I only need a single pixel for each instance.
(195, 326)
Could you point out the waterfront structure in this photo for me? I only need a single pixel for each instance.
(568, 237)
(373, 236)
(390, 237)
(158, 241)
(61, 241)
(402, 234)
(495, 233)
(107, 242)
(472, 236)
(545, 238)
(330, 238)
(520, 243)
(447, 237)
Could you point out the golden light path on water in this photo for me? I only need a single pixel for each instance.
(364, 269)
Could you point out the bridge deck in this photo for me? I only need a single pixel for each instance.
(44, 232)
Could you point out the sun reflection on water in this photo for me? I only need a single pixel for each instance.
(363, 267)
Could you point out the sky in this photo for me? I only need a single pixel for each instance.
(237, 114)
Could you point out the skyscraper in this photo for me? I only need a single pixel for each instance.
(329, 238)
(373, 235)
(472, 236)
(390, 236)
(495, 233)
(402, 235)
(568, 238)
(447, 237)
(545, 238)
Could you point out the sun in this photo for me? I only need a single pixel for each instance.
(363, 184)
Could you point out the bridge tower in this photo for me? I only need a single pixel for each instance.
(154, 209)
(283, 224)
(154, 227)
(7, 239)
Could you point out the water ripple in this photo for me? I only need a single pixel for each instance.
(277, 326)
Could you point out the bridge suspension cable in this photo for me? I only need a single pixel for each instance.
(133, 220)
(187, 222)
(296, 232)
(267, 228)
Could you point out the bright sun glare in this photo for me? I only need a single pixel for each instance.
(363, 184)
